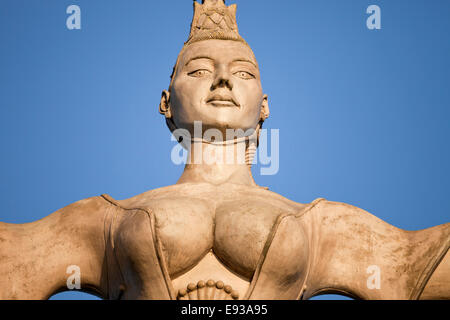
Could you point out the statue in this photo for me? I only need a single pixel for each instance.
(216, 234)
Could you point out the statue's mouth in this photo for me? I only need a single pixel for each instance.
(222, 100)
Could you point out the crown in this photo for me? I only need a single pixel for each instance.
(214, 20)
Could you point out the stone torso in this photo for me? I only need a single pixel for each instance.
(198, 241)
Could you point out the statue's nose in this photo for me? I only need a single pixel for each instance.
(222, 79)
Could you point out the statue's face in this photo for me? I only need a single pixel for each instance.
(217, 82)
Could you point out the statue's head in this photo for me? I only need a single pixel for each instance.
(216, 78)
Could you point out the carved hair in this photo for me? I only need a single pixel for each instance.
(212, 20)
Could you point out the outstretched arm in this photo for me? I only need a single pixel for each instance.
(34, 257)
(359, 255)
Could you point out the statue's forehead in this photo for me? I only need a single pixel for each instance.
(218, 50)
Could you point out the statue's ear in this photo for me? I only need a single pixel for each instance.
(265, 108)
(164, 105)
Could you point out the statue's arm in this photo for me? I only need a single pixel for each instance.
(352, 250)
(34, 257)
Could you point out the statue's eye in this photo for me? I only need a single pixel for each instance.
(244, 75)
(199, 73)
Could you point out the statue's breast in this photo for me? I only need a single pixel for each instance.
(241, 231)
(234, 231)
(185, 228)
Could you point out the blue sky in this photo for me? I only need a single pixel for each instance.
(363, 114)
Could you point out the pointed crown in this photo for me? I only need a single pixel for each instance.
(214, 20)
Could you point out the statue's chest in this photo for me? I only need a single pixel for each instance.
(182, 244)
(235, 232)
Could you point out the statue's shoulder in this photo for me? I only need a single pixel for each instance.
(214, 195)
(168, 193)
(333, 215)
(330, 208)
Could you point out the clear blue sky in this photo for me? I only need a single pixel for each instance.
(363, 114)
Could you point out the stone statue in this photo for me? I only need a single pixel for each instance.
(216, 234)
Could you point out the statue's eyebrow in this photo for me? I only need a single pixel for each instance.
(198, 58)
(246, 60)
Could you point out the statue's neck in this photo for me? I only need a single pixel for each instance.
(218, 163)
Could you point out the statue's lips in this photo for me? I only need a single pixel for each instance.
(219, 100)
